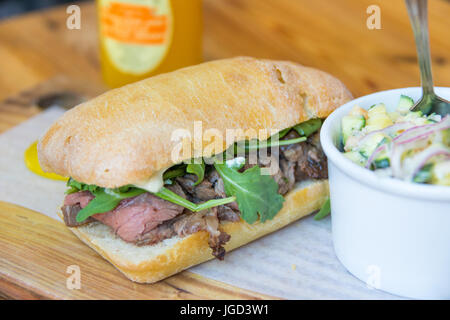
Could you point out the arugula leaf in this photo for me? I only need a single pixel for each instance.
(175, 171)
(168, 195)
(324, 211)
(307, 128)
(76, 186)
(255, 194)
(269, 143)
(283, 133)
(198, 170)
(106, 200)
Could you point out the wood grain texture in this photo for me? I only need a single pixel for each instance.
(326, 34)
(22, 106)
(36, 251)
(332, 36)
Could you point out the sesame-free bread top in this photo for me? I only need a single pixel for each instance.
(124, 136)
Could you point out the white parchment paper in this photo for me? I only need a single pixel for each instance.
(297, 262)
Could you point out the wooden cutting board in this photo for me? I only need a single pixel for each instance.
(36, 251)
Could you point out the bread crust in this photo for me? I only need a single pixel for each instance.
(149, 264)
(124, 136)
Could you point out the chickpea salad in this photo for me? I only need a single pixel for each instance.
(401, 144)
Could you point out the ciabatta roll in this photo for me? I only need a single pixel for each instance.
(123, 137)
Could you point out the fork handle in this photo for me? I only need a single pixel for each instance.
(417, 10)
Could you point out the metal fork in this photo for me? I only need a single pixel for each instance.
(430, 102)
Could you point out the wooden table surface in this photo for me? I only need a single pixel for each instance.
(326, 34)
(330, 35)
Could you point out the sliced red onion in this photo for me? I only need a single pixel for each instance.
(375, 154)
(423, 130)
(413, 138)
(388, 131)
(397, 151)
(423, 157)
(396, 159)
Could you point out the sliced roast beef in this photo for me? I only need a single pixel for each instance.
(309, 167)
(308, 157)
(228, 213)
(73, 203)
(217, 181)
(132, 218)
(81, 198)
(202, 192)
(70, 214)
(206, 220)
(217, 238)
(287, 168)
(313, 163)
(164, 231)
(135, 216)
(187, 183)
(205, 191)
(190, 223)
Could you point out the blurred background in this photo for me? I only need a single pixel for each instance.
(326, 34)
(14, 7)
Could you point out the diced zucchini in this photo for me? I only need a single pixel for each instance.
(378, 118)
(382, 160)
(381, 163)
(371, 143)
(356, 157)
(351, 124)
(425, 174)
(405, 104)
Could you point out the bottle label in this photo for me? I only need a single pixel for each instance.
(136, 33)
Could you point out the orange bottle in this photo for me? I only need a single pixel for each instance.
(141, 38)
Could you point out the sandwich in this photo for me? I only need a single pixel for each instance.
(155, 187)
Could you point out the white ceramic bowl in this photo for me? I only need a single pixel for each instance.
(391, 234)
